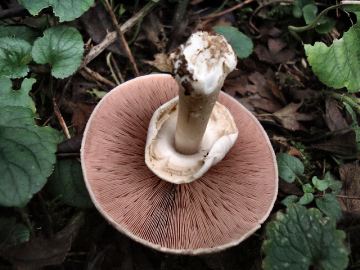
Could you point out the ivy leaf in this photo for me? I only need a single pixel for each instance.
(308, 188)
(242, 44)
(12, 233)
(334, 185)
(319, 184)
(15, 54)
(67, 183)
(302, 239)
(290, 200)
(62, 47)
(18, 31)
(21, 98)
(306, 198)
(309, 12)
(66, 10)
(27, 152)
(337, 66)
(329, 205)
(289, 167)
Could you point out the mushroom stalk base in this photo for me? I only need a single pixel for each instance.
(193, 116)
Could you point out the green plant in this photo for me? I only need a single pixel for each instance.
(27, 149)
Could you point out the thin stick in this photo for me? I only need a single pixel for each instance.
(111, 36)
(61, 120)
(117, 69)
(226, 11)
(122, 38)
(109, 64)
(98, 77)
(348, 197)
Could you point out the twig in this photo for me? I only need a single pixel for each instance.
(111, 36)
(13, 12)
(97, 77)
(314, 23)
(240, 5)
(117, 69)
(67, 155)
(109, 64)
(122, 38)
(345, 2)
(61, 120)
(256, 11)
(348, 197)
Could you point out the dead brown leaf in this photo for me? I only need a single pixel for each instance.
(342, 144)
(290, 118)
(275, 52)
(333, 117)
(40, 251)
(161, 62)
(350, 176)
(80, 115)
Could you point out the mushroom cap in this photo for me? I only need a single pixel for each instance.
(219, 210)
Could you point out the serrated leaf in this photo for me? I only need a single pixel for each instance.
(337, 66)
(306, 198)
(319, 184)
(12, 233)
(329, 205)
(303, 239)
(34, 7)
(66, 10)
(67, 183)
(15, 54)
(62, 47)
(18, 31)
(27, 152)
(289, 167)
(290, 200)
(20, 98)
(242, 44)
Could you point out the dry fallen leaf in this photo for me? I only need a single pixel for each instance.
(161, 62)
(350, 176)
(290, 118)
(333, 117)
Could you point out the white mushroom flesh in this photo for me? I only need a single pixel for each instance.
(168, 164)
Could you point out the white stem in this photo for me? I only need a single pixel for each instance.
(193, 115)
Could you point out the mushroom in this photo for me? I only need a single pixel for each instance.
(215, 207)
(182, 143)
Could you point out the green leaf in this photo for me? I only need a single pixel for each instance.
(289, 200)
(298, 6)
(289, 167)
(18, 31)
(334, 185)
(66, 10)
(67, 183)
(309, 13)
(242, 44)
(319, 184)
(308, 188)
(304, 239)
(34, 7)
(325, 25)
(306, 198)
(62, 47)
(12, 233)
(329, 205)
(337, 66)
(27, 152)
(15, 54)
(21, 98)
